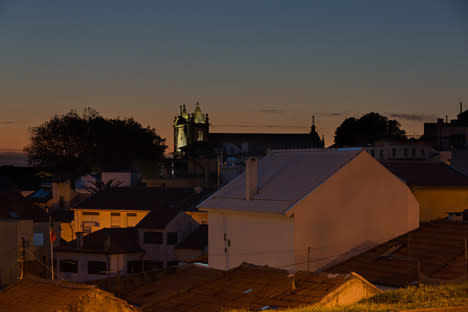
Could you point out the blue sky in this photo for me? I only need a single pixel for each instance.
(255, 66)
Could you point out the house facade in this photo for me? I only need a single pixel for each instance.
(439, 188)
(306, 209)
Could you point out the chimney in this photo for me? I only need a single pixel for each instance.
(251, 177)
(292, 282)
(461, 107)
(79, 240)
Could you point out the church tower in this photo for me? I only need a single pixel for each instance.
(189, 128)
(318, 143)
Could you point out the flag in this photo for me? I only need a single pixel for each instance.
(52, 235)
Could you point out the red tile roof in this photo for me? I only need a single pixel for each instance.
(109, 240)
(247, 286)
(33, 294)
(421, 173)
(437, 247)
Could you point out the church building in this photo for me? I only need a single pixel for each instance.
(192, 128)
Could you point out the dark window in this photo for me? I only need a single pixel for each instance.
(70, 266)
(422, 152)
(372, 152)
(405, 152)
(393, 152)
(131, 214)
(172, 238)
(61, 202)
(134, 266)
(97, 267)
(153, 237)
(381, 154)
(90, 213)
(172, 263)
(153, 265)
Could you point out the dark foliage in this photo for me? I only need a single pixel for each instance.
(367, 130)
(71, 145)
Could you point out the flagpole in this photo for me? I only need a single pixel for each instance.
(51, 248)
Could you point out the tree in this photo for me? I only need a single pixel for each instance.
(71, 145)
(367, 130)
(99, 185)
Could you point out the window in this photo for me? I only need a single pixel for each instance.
(134, 266)
(199, 135)
(381, 154)
(172, 263)
(61, 202)
(90, 213)
(70, 266)
(115, 219)
(171, 238)
(413, 153)
(405, 152)
(423, 153)
(131, 219)
(372, 152)
(97, 267)
(393, 152)
(38, 239)
(153, 238)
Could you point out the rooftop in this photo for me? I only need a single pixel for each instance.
(303, 169)
(421, 173)
(142, 198)
(198, 239)
(193, 288)
(33, 294)
(108, 240)
(438, 247)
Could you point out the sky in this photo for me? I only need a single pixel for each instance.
(254, 66)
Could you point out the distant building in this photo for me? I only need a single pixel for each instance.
(24, 234)
(390, 150)
(296, 205)
(192, 128)
(444, 135)
(438, 187)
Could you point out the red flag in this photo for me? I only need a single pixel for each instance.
(52, 235)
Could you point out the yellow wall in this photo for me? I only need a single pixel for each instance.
(104, 220)
(435, 202)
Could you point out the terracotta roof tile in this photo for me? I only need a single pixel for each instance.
(438, 247)
(247, 286)
(33, 294)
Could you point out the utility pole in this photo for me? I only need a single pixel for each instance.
(21, 258)
(51, 249)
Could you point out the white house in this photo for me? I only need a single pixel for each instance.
(305, 209)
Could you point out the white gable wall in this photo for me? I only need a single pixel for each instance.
(360, 206)
(260, 238)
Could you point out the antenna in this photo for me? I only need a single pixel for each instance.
(313, 120)
(461, 105)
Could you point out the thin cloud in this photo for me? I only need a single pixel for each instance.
(6, 122)
(335, 114)
(272, 110)
(413, 117)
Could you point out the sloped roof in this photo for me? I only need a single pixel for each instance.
(259, 143)
(421, 173)
(15, 206)
(439, 247)
(284, 177)
(197, 240)
(108, 240)
(140, 198)
(247, 286)
(158, 219)
(34, 294)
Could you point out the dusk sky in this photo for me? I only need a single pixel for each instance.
(254, 66)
